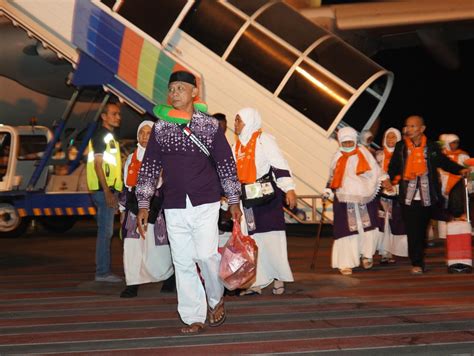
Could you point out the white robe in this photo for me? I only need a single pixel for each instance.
(388, 242)
(143, 261)
(272, 262)
(362, 188)
(347, 251)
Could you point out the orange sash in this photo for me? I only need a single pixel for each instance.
(416, 163)
(362, 166)
(387, 156)
(469, 162)
(133, 169)
(245, 157)
(454, 155)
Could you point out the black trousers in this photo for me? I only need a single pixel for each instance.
(457, 199)
(416, 218)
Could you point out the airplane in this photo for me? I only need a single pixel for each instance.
(368, 26)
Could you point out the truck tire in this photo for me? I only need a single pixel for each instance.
(11, 223)
(58, 224)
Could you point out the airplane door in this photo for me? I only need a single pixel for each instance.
(308, 68)
(156, 18)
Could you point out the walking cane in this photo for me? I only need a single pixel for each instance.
(318, 235)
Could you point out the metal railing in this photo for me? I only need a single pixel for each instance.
(311, 202)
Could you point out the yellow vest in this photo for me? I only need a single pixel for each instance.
(111, 165)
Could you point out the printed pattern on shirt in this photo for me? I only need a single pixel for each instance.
(169, 141)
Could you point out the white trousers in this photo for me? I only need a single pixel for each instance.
(193, 235)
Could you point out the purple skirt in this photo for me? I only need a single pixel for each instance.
(268, 217)
(344, 218)
(129, 228)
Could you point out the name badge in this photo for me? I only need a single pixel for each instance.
(253, 191)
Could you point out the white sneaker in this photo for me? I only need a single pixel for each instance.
(110, 278)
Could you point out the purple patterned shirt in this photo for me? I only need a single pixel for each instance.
(186, 169)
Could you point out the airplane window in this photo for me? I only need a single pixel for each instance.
(212, 24)
(344, 61)
(290, 26)
(261, 58)
(153, 17)
(248, 6)
(315, 95)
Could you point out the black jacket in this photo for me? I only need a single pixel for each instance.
(435, 159)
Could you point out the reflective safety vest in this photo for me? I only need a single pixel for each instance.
(111, 165)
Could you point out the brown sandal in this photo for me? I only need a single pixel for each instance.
(194, 328)
(217, 314)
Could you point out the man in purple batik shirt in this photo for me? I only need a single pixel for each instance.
(192, 190)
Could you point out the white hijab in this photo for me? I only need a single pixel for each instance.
(397, 134)
(347, 134)
(140, 148)
(252, 121)
(448, 138)
(365, 136)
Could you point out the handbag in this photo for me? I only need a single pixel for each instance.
(259, 193)
(238, 266)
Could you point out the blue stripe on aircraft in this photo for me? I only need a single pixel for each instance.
(105, 33)
(82, 13)
(98, 34)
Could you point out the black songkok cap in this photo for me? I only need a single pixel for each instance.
(182, 76)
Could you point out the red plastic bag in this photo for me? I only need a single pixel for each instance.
(238, 267)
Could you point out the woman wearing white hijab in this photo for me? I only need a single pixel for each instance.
(452, 186)
(366, 138)
(354, 183)
(257, 154)
(393, 238)
(451, 149)
(144, 260)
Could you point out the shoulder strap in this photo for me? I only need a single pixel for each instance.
(189, 134)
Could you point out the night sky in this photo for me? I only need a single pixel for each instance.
(443, 97)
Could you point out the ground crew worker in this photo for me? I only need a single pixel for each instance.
(104, 179)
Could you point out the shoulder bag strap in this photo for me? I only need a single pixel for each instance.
(189, 134)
